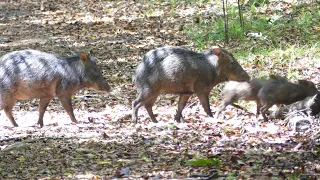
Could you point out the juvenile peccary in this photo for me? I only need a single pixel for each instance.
(309, 105)
(248, 91)
(180, 71)
(34, 74)
(281, 92)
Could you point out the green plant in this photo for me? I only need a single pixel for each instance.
(305, 19)
(203, 34)
(205, 162)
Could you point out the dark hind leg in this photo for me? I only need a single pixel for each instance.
(264, 110)
(148, 105)
(147, 101)
(183, 99)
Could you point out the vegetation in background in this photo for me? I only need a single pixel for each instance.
(272, 36)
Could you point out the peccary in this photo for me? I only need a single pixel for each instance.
(34, 74)
(180, 71)
(281, 92)
(248, 91)
(309, 105)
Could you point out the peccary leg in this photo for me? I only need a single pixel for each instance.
(42, 108)
(136, 104)
(181, 104)
(264, 109)
(8, 111)
(226, 102)
(148, 105)
(204, 100)
(258, 108)
(66, 103)
(237, 106)
(221, 108)
(146, 99)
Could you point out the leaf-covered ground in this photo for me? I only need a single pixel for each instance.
(105, 144)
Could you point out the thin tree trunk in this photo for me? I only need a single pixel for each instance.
(240, 15)
(225, 15)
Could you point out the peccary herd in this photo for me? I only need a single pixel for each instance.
(34, 74)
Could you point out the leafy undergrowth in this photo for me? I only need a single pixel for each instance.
(105, 144)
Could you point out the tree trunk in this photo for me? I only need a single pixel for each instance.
(240, 16)
(225, 15)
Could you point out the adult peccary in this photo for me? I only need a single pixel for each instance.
(34, 74)
(177, 70)
(248, 91)
(281, 92)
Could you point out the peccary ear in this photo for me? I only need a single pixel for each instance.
(84, 58)
(216, 50)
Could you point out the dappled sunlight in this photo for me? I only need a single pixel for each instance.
(65, 17)
(24, 42)
(107, 144)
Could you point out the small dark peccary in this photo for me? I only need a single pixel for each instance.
(248, 91)
(179, 71)
(281, 92)
(309, 105)
(34, 74)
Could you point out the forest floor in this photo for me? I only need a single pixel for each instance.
(105, 144)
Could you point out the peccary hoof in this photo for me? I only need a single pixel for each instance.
(177, 119)
(39, 125)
